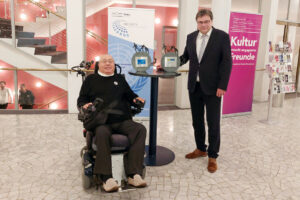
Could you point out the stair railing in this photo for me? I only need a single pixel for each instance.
(53, 100)
(40, 106)
(48, 16)
(90, 33)
(47, 70)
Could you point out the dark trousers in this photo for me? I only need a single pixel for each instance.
(27, 106)
(213, 107)
(134, 160)
(3, 106)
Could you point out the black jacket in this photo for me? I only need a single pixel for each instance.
(110, 89)
(26, 98)
(215, 66)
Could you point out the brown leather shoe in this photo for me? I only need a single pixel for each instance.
(212, 165)
(195, 154)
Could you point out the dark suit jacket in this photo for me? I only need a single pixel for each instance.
(215, 65)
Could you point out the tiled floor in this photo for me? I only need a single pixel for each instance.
(39, 158)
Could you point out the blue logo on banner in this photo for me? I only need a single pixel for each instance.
(119, 29)
(122, 51)
(139, 84)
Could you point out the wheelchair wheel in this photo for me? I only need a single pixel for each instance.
(144, 172)
(86, 180)
(83, 150)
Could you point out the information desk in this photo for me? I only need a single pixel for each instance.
(156, 155)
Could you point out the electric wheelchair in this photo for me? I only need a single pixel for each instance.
(119, 147)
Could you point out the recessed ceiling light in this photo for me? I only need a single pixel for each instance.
(175, 22)
(23, 16)
(157, 20)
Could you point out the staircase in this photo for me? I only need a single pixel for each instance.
(26, 39)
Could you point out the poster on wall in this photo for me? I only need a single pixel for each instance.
(244, 32)
(126, 27)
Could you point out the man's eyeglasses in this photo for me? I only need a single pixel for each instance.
(204, 22)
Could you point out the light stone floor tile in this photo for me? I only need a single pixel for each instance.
(39, 158)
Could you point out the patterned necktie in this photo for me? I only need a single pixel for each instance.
(202, 47)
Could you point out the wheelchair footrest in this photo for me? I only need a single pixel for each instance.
(88, 163)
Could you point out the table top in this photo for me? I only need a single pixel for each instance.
(155, 74)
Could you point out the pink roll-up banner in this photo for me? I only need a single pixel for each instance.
(244, 32)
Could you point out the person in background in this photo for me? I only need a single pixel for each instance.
(6, 96)
(26, 97)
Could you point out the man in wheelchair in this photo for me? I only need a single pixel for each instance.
(112, 87)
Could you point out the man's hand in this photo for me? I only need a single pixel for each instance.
(220, 92)
(140, 99)
(85, 106)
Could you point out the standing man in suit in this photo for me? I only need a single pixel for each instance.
(209, 52)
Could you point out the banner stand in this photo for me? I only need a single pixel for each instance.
(244, 32)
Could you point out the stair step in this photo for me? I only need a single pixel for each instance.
(5, 21)
(61, 58)
(22, 34)
(41, 49)
(30, 42)
(8, 27)
(19, 34)
(5, 33)
(53, 53)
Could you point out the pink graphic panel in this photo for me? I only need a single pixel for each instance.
(244, 32)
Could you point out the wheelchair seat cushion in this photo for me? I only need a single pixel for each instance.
(119, 143)
(119, 140)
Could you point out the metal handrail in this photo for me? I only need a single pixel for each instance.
(47, 9)
(97, 37)
(32, 69)
(55, 99)
(92, 34)
(54, 70)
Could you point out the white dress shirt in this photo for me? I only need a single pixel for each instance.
(6, 96)
(199, 42)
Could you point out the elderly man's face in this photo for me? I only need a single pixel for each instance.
(107, 65)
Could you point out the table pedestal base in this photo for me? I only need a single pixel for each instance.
(163, 156)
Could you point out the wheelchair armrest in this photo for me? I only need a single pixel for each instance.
(136, 107)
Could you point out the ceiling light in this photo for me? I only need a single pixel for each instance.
(157, 20)
(175, 22)
(38, 84)
(53, 106)
(23, 16)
